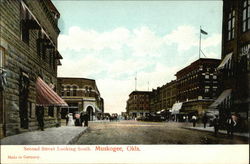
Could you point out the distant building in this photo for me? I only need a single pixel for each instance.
(197, 86)
(82, 95)
(163, 97)
(235, 66)
(28, 65)
(138, 103)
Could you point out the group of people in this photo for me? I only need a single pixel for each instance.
(230, 123)
(80, 118)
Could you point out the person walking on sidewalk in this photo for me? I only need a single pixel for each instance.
(39, 116)
(71, 120)
(194, 119)
(216, 125)
(231, 124)
(86, 119)
(82, 118)
(204, 120)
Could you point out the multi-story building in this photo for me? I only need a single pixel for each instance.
(197, 85)
(235, 66)
(28, 65)
(138, 103)
(81, 95)
(163, 97)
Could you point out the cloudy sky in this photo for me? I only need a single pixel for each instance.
(112, 41)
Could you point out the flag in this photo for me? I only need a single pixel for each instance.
(203, 32)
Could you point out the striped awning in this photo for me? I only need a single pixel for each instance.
(45, 96)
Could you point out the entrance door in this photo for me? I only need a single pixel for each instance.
(23, 100)
(90, 113)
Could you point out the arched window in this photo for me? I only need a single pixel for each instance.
(62, 91)
(74, 90)
(68, 91)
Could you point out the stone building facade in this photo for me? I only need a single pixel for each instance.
(197, 85)
(82, 95)
(234, 69)
(28, 50)
(138, 103)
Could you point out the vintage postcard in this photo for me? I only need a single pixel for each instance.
(126, 81)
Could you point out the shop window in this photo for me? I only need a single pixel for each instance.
(51, 111)
(246, 16)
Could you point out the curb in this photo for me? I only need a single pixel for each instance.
(76, 137)
(221, 132)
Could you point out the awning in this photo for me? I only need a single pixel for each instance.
(225, 61)
(176, 108)
(220, 99)
(45, 96)
(98, 110)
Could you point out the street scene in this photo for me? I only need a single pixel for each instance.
(137, 132)
(124, 73)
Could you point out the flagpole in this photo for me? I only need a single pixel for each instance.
(200, 44)
(135, 80)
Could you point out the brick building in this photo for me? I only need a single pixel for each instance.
(197, 86)
(234, 69)
(82, 95)
(28, 64)
(138, 103)
(163, 97)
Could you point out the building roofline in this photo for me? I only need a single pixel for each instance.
(197, 61)
(80, 78)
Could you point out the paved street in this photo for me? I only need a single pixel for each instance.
(133, 132)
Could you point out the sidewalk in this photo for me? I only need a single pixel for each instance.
(51, 136)
(211, 129)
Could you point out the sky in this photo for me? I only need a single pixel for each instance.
(115, 41)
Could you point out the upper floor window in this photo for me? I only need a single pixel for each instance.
(74, 90)
(68, 90)
(246, 15)
(231, 24)
(62, 91)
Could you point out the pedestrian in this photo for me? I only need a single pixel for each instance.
(231, 125)
(194, 119)
(86, 119)
(82, 118)
(216, 125)
(40, 116)
(71, 120)
(67, 118)
(204, 120)
(77, 120)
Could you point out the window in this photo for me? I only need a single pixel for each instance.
(246, 15)
(206, 76)
(51, 111)
(214, 77)
(244, 58)
(231, 24)
(62, 92)
(25, 15)
(74, 90)
(1, 58)
(68, 90)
